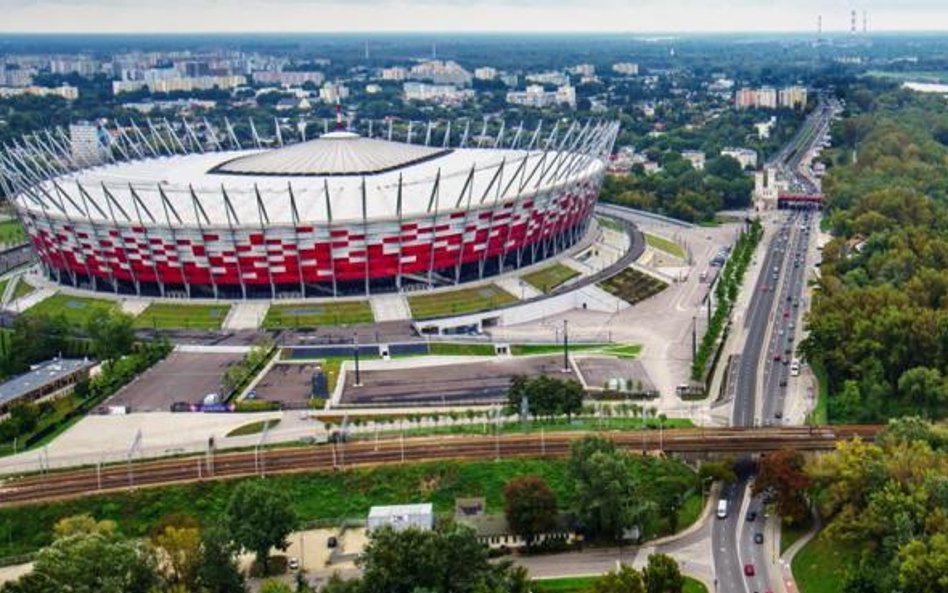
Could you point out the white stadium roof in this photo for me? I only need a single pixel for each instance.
(336, 164)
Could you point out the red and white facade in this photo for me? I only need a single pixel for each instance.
(339, 215)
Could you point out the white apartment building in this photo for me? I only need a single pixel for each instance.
(792, 97)
(438, 93)
(396, 73)
(440, 72)
(695, 157)
(88, 142)
(288, 78)
(70, 93)
(536, 96)
(485, 73)
(554, 78)
(745, 156)
(333, 92)
(626, 68)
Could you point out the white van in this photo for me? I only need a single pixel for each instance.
(722, 509)
(795, 368)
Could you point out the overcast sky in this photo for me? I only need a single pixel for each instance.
(464, 15)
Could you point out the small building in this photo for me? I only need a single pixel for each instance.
(47, 378)
(401, 516)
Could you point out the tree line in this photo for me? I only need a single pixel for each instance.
(879, 320)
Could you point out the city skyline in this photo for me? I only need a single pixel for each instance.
(117, 16)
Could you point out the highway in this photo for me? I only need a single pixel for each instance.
(327, 457)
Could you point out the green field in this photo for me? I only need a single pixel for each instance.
(549, 278)
(177, 315)
(817, 567)
(12, 232)
(610, 223)
(470, 300)
(633, 286)
(22, 288)
(314, 315)
(789, 535)
(253, 428)
(666, 245)
(583, 584)
(930, 76)
(76, 310)
(820, 414)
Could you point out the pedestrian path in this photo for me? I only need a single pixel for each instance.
(246, 315)
(390, 307)
(517, 287)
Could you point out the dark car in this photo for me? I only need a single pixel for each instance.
(783, 381)
(751, 515)
(332, 542)
(758, 538)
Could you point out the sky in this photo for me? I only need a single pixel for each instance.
(160, 16)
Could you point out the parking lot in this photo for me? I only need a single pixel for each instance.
(482, 382)
(288, 384)
(182, 377)
(598, 370)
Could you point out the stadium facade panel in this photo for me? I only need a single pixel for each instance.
(339, 215)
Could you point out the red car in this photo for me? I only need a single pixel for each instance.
(749, 570)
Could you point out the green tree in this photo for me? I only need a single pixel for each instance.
(112, 334)
(662, 575)
(218, 572)
(180, 551)
(530, 507)
(606, 499)
(275, 586)
(625, 579)
(260, 517)
(924, 565)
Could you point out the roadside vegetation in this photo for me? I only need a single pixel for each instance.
(884, 506)
(879, 325)
(725, 293)
(254, 428)
(77, 311)
(12, 232)
(22, 288)
(666, 245)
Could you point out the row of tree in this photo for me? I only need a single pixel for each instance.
(879, 321)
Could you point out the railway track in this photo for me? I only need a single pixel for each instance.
(86, 481)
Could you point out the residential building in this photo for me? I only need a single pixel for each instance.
(372, 89)
(554, 78)
(396, 73)
(437, 93)
(70, 93)
(333, 92)
(46, 379)
(440, 72)
(402, 516)
(511, 80)
(626, 68)
(88, 142)
(537, 96)
(288, 78)
(583, 70)
(792, 97)
(745, 156)
(695, 157)
(485, 73)
(160, 84)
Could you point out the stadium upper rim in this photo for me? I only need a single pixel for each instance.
(196, 175)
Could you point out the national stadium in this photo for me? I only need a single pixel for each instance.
(189, 211)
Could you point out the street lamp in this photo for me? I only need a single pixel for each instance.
(355, 351)
(565, 346)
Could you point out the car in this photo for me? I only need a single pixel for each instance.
(293, 564)
(786, 313)
(758, 538)
(332, 542)
(783, 381)
(749, 570)
(778, 414)
(776, 356)
(786, 360)
(751, 515)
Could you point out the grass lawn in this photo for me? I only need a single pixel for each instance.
(817, 568)
(690, 510)
(3, 285)
(666, 245)
(253, 428)
(582, 423)
(820, 414)
(61, 407)
(470, 300)
(610, 223)
(304, 315)
(624, 350)
(583, 584)
(550, 277)
(12, 232)
(22, 288)
(789, 535)
(174, 315)
(76, 310)
(633, 286)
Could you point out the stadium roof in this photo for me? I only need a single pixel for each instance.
(336, 153)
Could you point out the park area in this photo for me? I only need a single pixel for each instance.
(459, 302)
(547, 279)
(182, 316)
(314, 315)
(77, 311)
(633, 286)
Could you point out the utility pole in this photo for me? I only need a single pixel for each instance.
(694, 339)
(355, 351)
(565, 346)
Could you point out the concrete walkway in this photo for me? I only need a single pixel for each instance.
(246, 315)
(787, 583)
(390, 307)
(134, 307)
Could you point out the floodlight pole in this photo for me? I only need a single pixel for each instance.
(355, 352)
(565, 346)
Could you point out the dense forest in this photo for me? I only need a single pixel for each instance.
(879, 322)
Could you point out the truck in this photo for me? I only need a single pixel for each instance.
(722, 509)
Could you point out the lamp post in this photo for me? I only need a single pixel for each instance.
(355, 352)
(565, 346)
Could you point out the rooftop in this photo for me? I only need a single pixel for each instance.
(335, 153)
(41, 375)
